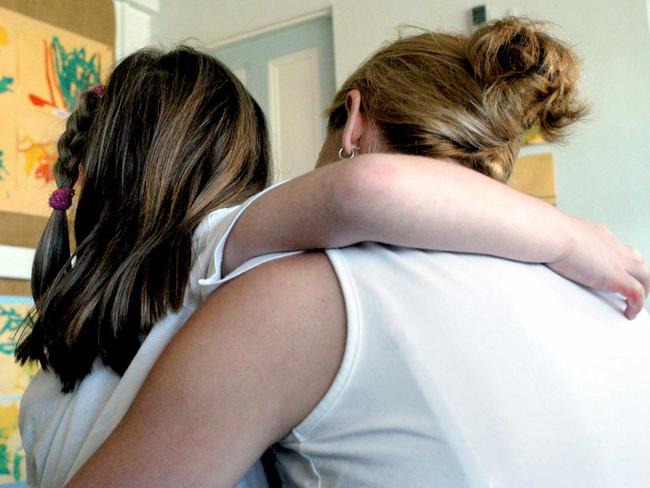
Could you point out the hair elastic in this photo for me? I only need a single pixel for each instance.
(97, 89)
(61, 198)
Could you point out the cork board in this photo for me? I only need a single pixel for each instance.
(37, 38)
(535, 175)
(94, 19)
(45, 69)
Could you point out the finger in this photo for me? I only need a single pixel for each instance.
(634, 294)
(641, 272)
(636, 254)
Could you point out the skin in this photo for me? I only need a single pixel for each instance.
(269, 363)
(361, 199)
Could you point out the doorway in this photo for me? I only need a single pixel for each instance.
(290, 72)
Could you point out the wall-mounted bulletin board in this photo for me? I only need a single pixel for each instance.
(50, 52)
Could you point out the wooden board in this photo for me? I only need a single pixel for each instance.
(15, 287)
(94, 19)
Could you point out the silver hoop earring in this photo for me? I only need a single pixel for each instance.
(353, 153)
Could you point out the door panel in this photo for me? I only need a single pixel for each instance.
(290, 72)
(296, 130)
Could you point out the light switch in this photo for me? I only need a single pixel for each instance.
(479, 15)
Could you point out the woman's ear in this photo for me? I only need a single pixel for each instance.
(356, 126)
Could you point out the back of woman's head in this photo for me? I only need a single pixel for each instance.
(468, 99)
(172, 137)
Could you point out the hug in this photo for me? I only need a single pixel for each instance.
(397, 317)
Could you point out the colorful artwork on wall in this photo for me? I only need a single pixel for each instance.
(43, 70)
(37, 137)
(67, 74)
(3, 169)
(5, 84)
(14, 381)
(8, 159)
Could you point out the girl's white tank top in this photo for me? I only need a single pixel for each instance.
(61, 431)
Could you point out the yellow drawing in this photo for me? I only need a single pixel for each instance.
(8, 160)
(8, 67)
(39, 158)
(56, 66)
(36, 155)
(13, 381)
(4, 173)
(12, 455)
(43, 70)
(4, 36)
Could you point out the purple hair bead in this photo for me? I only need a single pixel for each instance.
(61, 198)
(97, 89)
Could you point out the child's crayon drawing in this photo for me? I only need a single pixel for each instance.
(39, 158)
(10, 320)
(13, 311)
(43, 71)
(3, 169)
(75, 70)
(8, 160)
(6, 80)
(4, 36)
(5, 84)
(68, 73)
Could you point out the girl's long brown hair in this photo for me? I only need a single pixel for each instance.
(470, 99)
(174, 137)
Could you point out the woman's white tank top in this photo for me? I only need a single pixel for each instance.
(464, 370)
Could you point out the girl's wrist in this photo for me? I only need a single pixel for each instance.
(567, 241)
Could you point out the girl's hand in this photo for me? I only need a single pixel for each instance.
(597, 259)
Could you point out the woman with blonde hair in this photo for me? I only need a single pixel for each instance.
(241, 391)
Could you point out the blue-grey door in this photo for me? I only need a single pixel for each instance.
(290, 72)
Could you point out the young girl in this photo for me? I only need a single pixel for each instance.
(167, 153)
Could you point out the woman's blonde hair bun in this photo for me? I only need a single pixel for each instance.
(470, 99)
(514, 58)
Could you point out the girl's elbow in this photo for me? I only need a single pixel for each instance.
(363, 185)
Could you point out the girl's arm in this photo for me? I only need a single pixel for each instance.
(431, 204)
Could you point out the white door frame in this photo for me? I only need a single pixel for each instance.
(269, 28)
(274, 109)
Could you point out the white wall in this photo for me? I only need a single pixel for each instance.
(133, 24)
(212, 21)
(602, 174)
